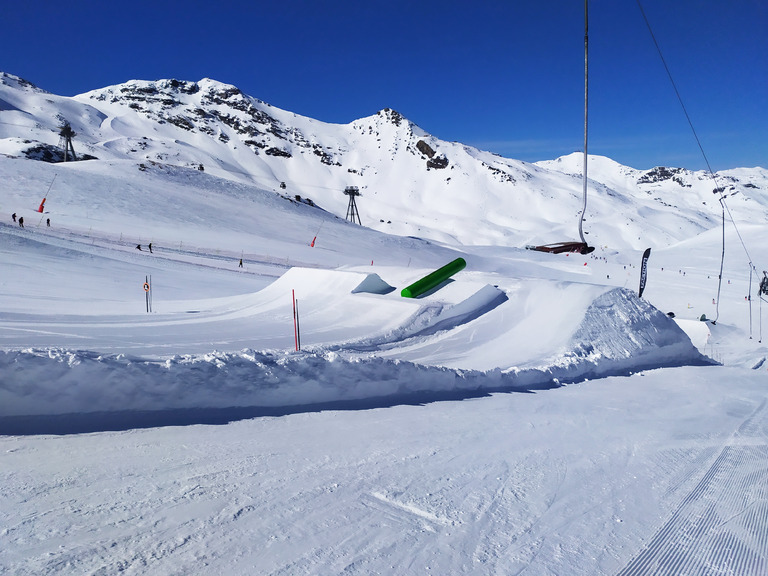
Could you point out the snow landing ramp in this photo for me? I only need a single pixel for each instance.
(364, 348)
(550, 332)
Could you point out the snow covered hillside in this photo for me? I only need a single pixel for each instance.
(202, 371)
(75, 308)
(411, 182)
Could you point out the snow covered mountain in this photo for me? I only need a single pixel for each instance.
(256, 402)
(411, 182)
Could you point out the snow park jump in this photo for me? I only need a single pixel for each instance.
(433, 279)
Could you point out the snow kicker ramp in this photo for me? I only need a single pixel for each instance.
(367, 348)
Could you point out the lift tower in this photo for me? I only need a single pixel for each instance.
(352, 213)
(65, 140)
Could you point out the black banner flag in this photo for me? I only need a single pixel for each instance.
(644, 272)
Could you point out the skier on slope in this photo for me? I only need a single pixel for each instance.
(14, 217)
(21, 221)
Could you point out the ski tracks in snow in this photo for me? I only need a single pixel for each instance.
(426, 519)
(719, 526)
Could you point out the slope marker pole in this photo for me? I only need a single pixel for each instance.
(298, 328)
(295, 323)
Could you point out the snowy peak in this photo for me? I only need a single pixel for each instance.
(168, 93)
(387, 126)
(390, 127)
(393, 117)
(413, 183)
(218, 110)
(17, 83)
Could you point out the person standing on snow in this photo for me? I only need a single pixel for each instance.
(21, 221)
(14, 216)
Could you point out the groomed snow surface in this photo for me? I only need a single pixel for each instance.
(530, 416)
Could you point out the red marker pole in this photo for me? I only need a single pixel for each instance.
(312, 244)
(42, 204)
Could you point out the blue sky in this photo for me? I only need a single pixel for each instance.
(505, 76)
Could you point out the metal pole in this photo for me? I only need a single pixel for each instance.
(295, 329)
(586, 108)
(298, 328)
(750, 299)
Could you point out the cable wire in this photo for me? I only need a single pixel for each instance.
(719, 189)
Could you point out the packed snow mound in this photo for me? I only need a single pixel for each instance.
(373, 284)
(617, 333)
(623, 332)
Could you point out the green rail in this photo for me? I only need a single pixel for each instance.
(433, 279)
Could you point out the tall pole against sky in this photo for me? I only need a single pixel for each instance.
(586, 99)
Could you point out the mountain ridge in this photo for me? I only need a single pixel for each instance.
(403, 173)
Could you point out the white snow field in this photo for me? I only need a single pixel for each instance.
(408, 436)
(531, 415)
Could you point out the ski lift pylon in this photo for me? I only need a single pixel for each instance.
(581, 246)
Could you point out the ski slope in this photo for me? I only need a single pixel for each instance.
(532, 415)
(242, 350)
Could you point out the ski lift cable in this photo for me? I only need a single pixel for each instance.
(690, 123)
(752, 267)
(674, 86)
(712, 174)
(743, 245)
(722, 262)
